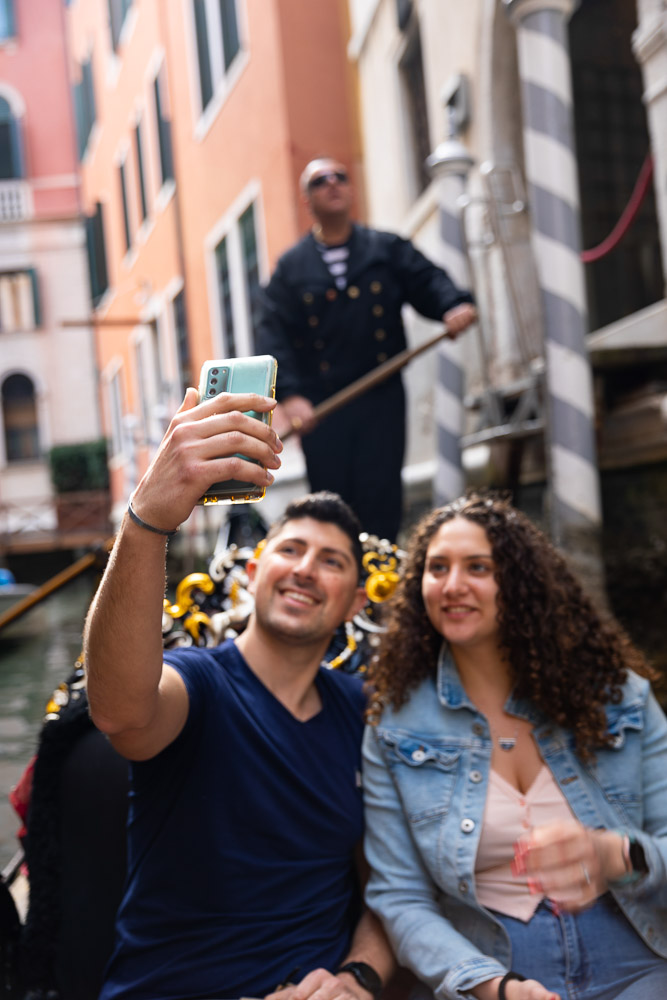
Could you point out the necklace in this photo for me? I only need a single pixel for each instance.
(506, 743)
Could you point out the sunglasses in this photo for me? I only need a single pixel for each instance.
(333, 175)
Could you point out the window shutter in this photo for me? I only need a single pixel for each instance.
(36, 304)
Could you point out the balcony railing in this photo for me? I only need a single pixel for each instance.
(15, 201)
(67, 520)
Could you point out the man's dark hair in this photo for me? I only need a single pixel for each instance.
(328, 508)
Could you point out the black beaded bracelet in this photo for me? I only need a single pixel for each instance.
(505, 980)
(144, 524)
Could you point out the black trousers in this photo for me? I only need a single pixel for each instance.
(358, 453)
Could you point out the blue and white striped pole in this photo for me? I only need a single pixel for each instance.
(551, 173)
(450, 164)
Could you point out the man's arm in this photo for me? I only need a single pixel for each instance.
(369, 946)
(142, 705)
(427, 287)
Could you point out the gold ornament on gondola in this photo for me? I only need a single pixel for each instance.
(193, 623)
(382, 577)
(184, 599)
(350, 648)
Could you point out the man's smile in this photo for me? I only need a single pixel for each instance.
(299, 596)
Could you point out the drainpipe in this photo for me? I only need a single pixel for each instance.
(450, 165)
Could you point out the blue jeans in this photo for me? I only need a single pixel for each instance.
(592, 955)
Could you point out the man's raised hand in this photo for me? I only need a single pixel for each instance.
(202, 446)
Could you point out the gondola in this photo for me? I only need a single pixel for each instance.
(74, 792)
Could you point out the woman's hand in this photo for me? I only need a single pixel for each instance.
(570, 863)
(528, 989)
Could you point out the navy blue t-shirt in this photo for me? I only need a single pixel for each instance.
(241, 839)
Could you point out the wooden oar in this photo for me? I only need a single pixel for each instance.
(368, 381)
(55, 583)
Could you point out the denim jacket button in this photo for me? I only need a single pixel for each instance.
(463, 887)
(476, 776)
(418, 755)
(478, 729)
(467, 825)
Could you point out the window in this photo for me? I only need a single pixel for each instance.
(138, 150)
(97, 258)
(151, 389)
(117, 11)
(19, 412)
(403, 12)
(612, 140)
(143, 393)
(182, 343)
(230, 31)
(163, 125)
(225, 293)
(250, 265)
(126, 213)
(11, 143)
(19, 301)
(238, 284)
(414, 103)
(218, 42)
(116, 413)
(84, 106)
(7, 24)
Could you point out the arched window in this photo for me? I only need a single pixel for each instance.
(11, 143)
(19, 412)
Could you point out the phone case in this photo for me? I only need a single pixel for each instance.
(255, 374)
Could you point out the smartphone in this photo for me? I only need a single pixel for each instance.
(257, 374)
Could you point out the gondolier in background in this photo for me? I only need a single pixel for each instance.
(331, 313)
(245, 810)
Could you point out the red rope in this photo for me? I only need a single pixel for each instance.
(627, 217)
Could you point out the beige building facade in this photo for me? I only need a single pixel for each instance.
(546, 186)
(402, 48)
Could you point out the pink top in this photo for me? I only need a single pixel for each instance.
(508, 815)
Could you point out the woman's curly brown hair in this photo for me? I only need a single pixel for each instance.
(565, 658)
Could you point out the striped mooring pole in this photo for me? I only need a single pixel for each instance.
(450, 165)
(551, 174)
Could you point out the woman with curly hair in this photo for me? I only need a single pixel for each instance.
(515, 774)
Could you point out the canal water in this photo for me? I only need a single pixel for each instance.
(32, 665)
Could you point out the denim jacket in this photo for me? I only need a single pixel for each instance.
(426, 773)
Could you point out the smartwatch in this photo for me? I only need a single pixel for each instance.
(635, 861)
(365, 975)
(636, 856)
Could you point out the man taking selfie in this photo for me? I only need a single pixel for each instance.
(245, 807)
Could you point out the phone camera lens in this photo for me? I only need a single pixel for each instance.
(214, 381)
(214, 371)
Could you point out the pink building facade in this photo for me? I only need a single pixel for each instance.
(48, 385)
(195, 120)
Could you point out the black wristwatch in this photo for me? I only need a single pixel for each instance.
(365, 975)
(637, 856)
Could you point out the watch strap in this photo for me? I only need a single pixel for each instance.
(507, 978)
(634, 858)
(365, 975)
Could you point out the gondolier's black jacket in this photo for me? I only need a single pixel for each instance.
(325, 338)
